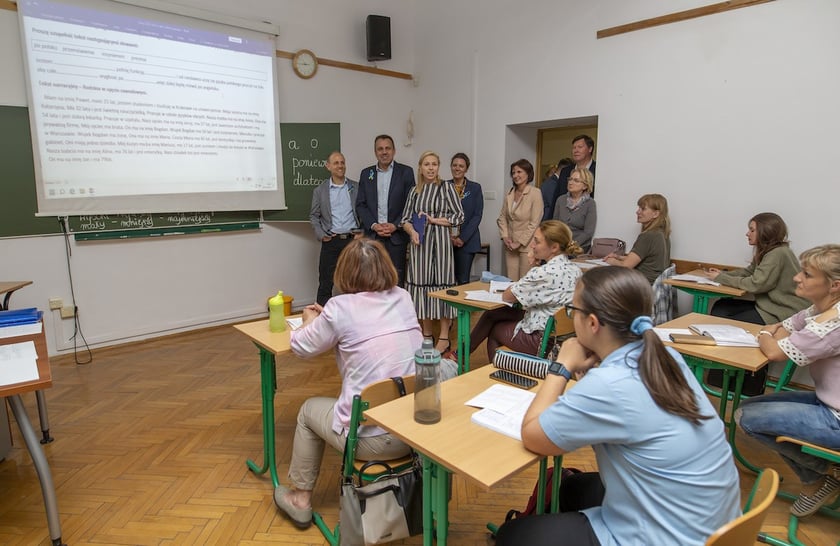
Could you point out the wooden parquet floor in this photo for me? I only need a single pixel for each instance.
(151, 441)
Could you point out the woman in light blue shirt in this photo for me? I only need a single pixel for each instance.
(662, 453)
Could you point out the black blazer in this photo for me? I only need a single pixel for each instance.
(473, 205)
(367, 199)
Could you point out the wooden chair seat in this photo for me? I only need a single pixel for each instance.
(744, 530)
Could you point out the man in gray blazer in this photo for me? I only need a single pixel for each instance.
(333, 217)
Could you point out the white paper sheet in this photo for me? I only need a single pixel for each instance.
(665, 333)
(484, 295)
(501, 398)
(694, 278)
(18, 363)
(21, 330)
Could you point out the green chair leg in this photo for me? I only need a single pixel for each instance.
(332, 535)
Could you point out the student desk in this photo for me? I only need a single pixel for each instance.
(703, 293)
(8, 288)
(734, 361)
(11, 393)
(270, 345)
(454, 444)
(465, 307)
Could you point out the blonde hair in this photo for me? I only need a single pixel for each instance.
(585, 177)
(657, 202)
(559, 233)
(421, 182)
(825, 259)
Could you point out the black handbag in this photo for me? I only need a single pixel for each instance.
(384, 510)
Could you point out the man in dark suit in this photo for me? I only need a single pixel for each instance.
(582, 149)
(383, 191)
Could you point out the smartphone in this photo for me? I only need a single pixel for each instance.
(514, 379)
(452, 292)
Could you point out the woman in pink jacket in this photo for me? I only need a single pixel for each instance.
(374, 330)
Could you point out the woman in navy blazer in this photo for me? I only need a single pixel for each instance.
(466, 240)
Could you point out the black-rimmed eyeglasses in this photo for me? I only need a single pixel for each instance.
(570, 310)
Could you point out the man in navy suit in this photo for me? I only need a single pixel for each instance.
(582, 149)
(383, 191)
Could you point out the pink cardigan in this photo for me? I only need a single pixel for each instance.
(375, 335)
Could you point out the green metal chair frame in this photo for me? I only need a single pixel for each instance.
(371, 396)
(832, 510)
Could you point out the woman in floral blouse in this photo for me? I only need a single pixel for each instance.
(541, 292)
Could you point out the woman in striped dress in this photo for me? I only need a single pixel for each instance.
(431, 264)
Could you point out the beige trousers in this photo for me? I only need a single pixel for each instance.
(516, 263)
(314, 429)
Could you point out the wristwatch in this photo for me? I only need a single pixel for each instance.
(556, 368)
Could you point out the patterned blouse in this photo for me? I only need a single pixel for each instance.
(543, 291)
(816, 344)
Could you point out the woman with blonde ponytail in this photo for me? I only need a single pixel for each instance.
(543, 290)
(663, 459)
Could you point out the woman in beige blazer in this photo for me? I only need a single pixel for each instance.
(522, 211)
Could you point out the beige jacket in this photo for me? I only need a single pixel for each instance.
(519, 222)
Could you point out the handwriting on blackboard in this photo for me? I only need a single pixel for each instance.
(120, 222)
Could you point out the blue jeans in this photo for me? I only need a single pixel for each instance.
(798, 414)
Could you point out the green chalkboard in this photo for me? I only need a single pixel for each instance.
(126, 222)
(17, 178)
(305, 149)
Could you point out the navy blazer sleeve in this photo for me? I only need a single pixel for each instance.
(366, 199)
(473, 204)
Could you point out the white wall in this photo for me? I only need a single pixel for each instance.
(137, 288)
(727, 115)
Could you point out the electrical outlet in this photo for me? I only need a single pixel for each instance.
(68, 311)
(56, 303)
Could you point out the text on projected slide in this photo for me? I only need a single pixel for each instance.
(115, 95)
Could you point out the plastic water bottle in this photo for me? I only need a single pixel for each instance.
(427, 384)
(276, 313)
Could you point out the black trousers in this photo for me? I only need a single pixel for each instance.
(326, 267)
(463, 265)
(568, 528)
(397, 253)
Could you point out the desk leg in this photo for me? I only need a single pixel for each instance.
(42, 467)
(701, 303)
(435, 502)
(736, 401)
(463, 341)
(268, 384)
(44, 417)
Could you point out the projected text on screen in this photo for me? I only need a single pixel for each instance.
(127, 106)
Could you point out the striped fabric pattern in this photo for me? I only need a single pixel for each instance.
(431, 265)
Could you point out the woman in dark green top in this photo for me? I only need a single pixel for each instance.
(651, 253)
(768, 278)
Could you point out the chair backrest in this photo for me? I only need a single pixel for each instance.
(744, 530)
(664, 297)
(556, 326)
(385, 391)
(371, 396)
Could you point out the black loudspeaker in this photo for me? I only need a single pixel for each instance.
(378, 29)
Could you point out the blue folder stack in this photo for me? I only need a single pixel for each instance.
(17, 317)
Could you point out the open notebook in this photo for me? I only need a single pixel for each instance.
(725, 335)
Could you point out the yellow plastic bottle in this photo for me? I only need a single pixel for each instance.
(276, 313)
